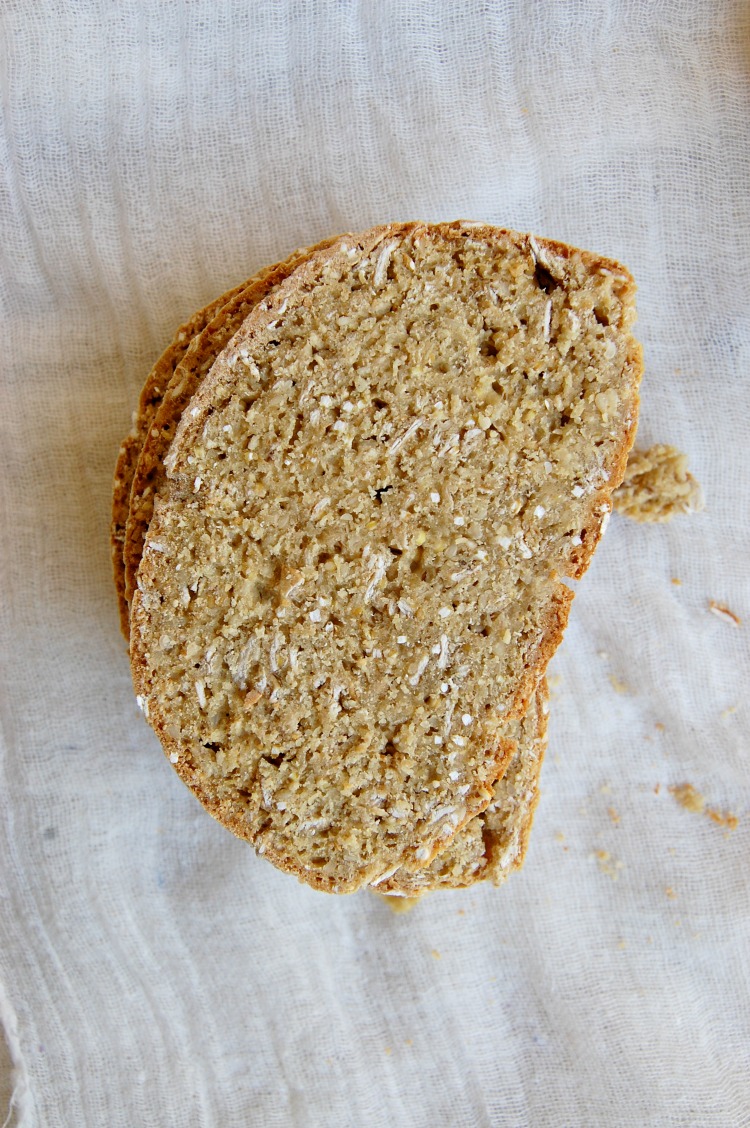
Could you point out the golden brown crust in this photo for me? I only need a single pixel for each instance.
(150, 399)
(541, 748)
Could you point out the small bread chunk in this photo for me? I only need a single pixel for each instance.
(657, 486)
(494, 843)
(351, 583)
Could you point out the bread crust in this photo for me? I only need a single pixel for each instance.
(130, 449)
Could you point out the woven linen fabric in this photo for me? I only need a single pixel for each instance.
(153, 970)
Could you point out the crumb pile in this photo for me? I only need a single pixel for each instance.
(341, 528)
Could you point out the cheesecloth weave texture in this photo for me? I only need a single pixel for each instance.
(153, 971)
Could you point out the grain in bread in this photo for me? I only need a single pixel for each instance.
(370, 502)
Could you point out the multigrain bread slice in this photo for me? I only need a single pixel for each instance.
(493, 844)
(183, 382)
(151, 396)
(351, 583)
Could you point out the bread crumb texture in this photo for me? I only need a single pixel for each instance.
(351, 583)
(493, 843)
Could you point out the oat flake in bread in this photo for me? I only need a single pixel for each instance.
(370, 503)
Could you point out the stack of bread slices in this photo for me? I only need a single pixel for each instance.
(342, 526)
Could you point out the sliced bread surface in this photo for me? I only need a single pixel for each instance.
(351, 581)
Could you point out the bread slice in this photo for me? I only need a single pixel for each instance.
(351, 583)
(185, 378)
(151, 396)
(493, 844)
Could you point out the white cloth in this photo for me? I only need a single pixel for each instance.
(153, 971)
